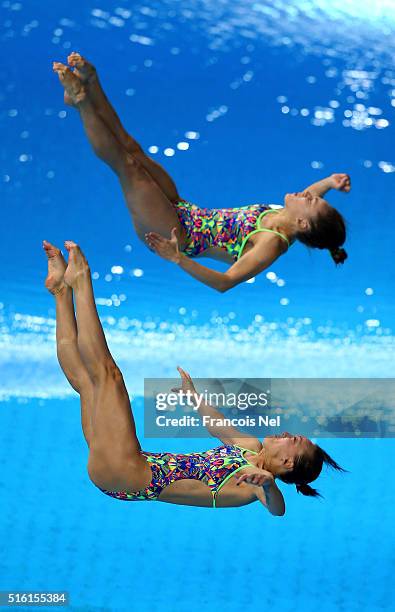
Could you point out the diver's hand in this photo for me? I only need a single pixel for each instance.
(341, 182)
(165, 247)
(186, 382)
(255, 476)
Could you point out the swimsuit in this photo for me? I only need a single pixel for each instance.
(213, 467)
(227, 228)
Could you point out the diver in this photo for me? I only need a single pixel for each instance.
(249, 238)
(240, 471)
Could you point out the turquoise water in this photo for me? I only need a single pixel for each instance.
(62, 533)
(269, 97)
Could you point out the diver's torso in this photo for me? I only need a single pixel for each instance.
(190, 492)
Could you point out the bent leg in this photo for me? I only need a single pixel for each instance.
(151, 210)
(88, 75)
(115, 461)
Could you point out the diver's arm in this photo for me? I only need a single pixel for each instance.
(250, 264)
(213, 419)
(212, 278)
(265, 489)
(168, 249)
(320, 188)
(254, 261)
(271, 497)
(339, 181)
(215, 423)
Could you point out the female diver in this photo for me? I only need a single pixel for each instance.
(250, 237)
(240, 471)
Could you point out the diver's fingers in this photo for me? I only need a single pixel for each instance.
(155, 236)
(151, 246)
(156, 239)
(174, 237)
(240, 479)
(182, 372)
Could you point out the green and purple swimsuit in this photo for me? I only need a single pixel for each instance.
(213, 467)
(226, 228)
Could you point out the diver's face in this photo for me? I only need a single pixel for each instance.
(281, 450)
(305, 204)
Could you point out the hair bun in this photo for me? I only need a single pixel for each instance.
(339, 255)
(305, 489)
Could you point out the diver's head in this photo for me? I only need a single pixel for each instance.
(318, 224)
(296, 460)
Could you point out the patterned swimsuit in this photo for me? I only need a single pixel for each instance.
(213, 467)
(226, 228)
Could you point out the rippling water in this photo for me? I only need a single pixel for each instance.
(152, 348)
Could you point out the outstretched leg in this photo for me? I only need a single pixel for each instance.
(115, 461)
(66, 336)
(87, 73)
(150, 209)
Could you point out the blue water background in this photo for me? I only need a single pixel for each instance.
(182, 65)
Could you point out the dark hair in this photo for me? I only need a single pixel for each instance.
(327, 231)
(307, 468)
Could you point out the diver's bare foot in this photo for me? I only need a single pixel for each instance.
(74, 89)
(56, 268)
(84, 70)
(77, 268)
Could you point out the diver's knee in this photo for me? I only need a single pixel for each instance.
(133, 168)
(133, 147)
(105, 372)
